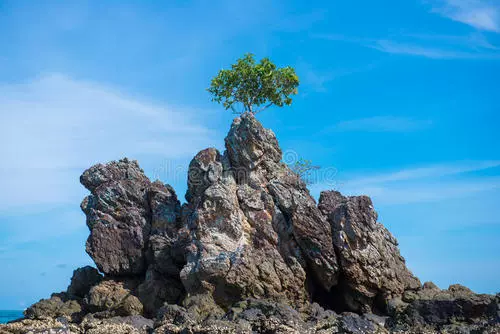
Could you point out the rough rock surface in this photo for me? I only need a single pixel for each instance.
(58, 305)
(118, 217)
(82, 280)
(446, 309)
(114, 298)
(249, 252)
(373, 271)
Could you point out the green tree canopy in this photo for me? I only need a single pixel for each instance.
(256, 86)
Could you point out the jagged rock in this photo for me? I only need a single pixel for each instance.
(82, 280)
(255, 156)
(439, 308)
(157, 290)
(234, 254)
(264, 316)
(58, 305)
(173, 314)
(255, 228)
(165, 208)
(118, 216)
(373, 270)
(113, 298)
(250, 252)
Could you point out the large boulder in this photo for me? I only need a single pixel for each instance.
(158, 289)
(133, 222)
(452, 308)
(82, 280)
(113, 298)
(373, 269)
(58, 305)
(118, 216)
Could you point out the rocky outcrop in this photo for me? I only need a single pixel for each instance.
(118, 216)
(373, 270)
(456, 308)
(113, 298)
(83, 280)
(59, 305)
(249, 252)
(256, 231)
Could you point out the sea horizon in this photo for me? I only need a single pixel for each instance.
(9, 315)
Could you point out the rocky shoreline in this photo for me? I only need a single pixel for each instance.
(250, 252)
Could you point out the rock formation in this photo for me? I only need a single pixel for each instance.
(249, 252)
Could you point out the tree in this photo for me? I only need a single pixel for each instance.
(303, 168)
(254, 85)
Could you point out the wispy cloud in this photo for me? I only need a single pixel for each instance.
(426, 172)
(394, 47)
(480, 14)
(381, 124)
(53, 127)
(471, 46)
(423, 184)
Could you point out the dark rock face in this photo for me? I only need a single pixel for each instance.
(83, 279)
(372, 268)
(118, 217)
(250, 252)
(58, 305)
(444, 308)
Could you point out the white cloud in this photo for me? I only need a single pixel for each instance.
(480, 14)
(424, 184)
(389, 46)
(427, 172)
(382, 124)
(471, 46)
(54, 127)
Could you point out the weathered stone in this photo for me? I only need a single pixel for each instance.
(134, 324)
(165, 208)
(118, 216)
(250, 252)
(58, 305)
(157, 290)
(82, 280)
(243, 244)
(309, 227)
(373, 270)
(113, 298)
(437, 308)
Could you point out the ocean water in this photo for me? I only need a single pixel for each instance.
(6, 316)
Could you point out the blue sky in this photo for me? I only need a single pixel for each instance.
(398, 100)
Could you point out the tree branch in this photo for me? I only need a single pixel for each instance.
(263, 108)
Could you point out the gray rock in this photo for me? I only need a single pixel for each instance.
(113, 298)
(255, 230)
(82, 280)
(58, 305)
(436, 308)
(373, 271)
(157, 290)
(118, 216)
(250, 252)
